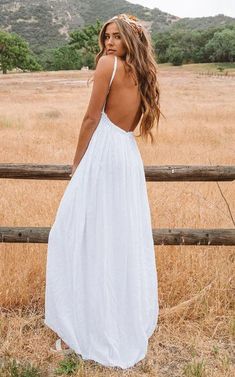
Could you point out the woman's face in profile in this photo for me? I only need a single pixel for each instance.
(113, 42)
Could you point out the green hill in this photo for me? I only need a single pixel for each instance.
(46, 23)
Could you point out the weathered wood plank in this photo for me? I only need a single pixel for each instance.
(189, 173)
(184, 236)
(152, 173)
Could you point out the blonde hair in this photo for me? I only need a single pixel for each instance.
(140, 60)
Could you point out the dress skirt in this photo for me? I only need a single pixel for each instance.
(101, 278)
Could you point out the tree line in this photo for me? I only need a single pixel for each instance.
(204, 46)
(174, 46)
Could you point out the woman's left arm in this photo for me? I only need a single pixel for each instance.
(91, 119)
(86, 131)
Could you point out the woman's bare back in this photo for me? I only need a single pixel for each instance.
(123, 101)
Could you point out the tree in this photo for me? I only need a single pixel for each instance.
(161, 44)
(176, 55)
(198, 46)
(63, 58)
(86, 39)
(80, 50)
(221, 48)
(15, 53)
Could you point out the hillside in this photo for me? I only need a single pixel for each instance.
(200, 23)
(46, 23)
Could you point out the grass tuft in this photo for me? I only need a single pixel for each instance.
(68, 366)
(15, 368)
(194, 369)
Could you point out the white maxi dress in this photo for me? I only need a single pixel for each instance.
(101, 279)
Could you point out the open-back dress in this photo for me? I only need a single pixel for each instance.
(101, 278)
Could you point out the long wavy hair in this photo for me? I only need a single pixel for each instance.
(140, 62)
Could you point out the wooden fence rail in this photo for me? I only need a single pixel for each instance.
(152, 173)
(226, 74)
(225, 237)
(210, 237)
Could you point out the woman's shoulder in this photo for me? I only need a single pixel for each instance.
(105, 65)
(107, 61)
(104, 68)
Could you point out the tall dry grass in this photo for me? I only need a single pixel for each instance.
(40, 116)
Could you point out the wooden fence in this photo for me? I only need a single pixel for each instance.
(225, 74)
(184, 236)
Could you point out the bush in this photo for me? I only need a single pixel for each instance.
(176, 56)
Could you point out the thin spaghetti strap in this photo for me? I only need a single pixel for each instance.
(114, 70)
(113, 74)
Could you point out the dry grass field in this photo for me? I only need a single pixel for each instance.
(40, 116)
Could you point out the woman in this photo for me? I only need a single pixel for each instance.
(101, 281)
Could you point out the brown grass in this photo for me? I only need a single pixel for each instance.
(40, 116)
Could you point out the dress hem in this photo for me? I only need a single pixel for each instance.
(85, 357)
